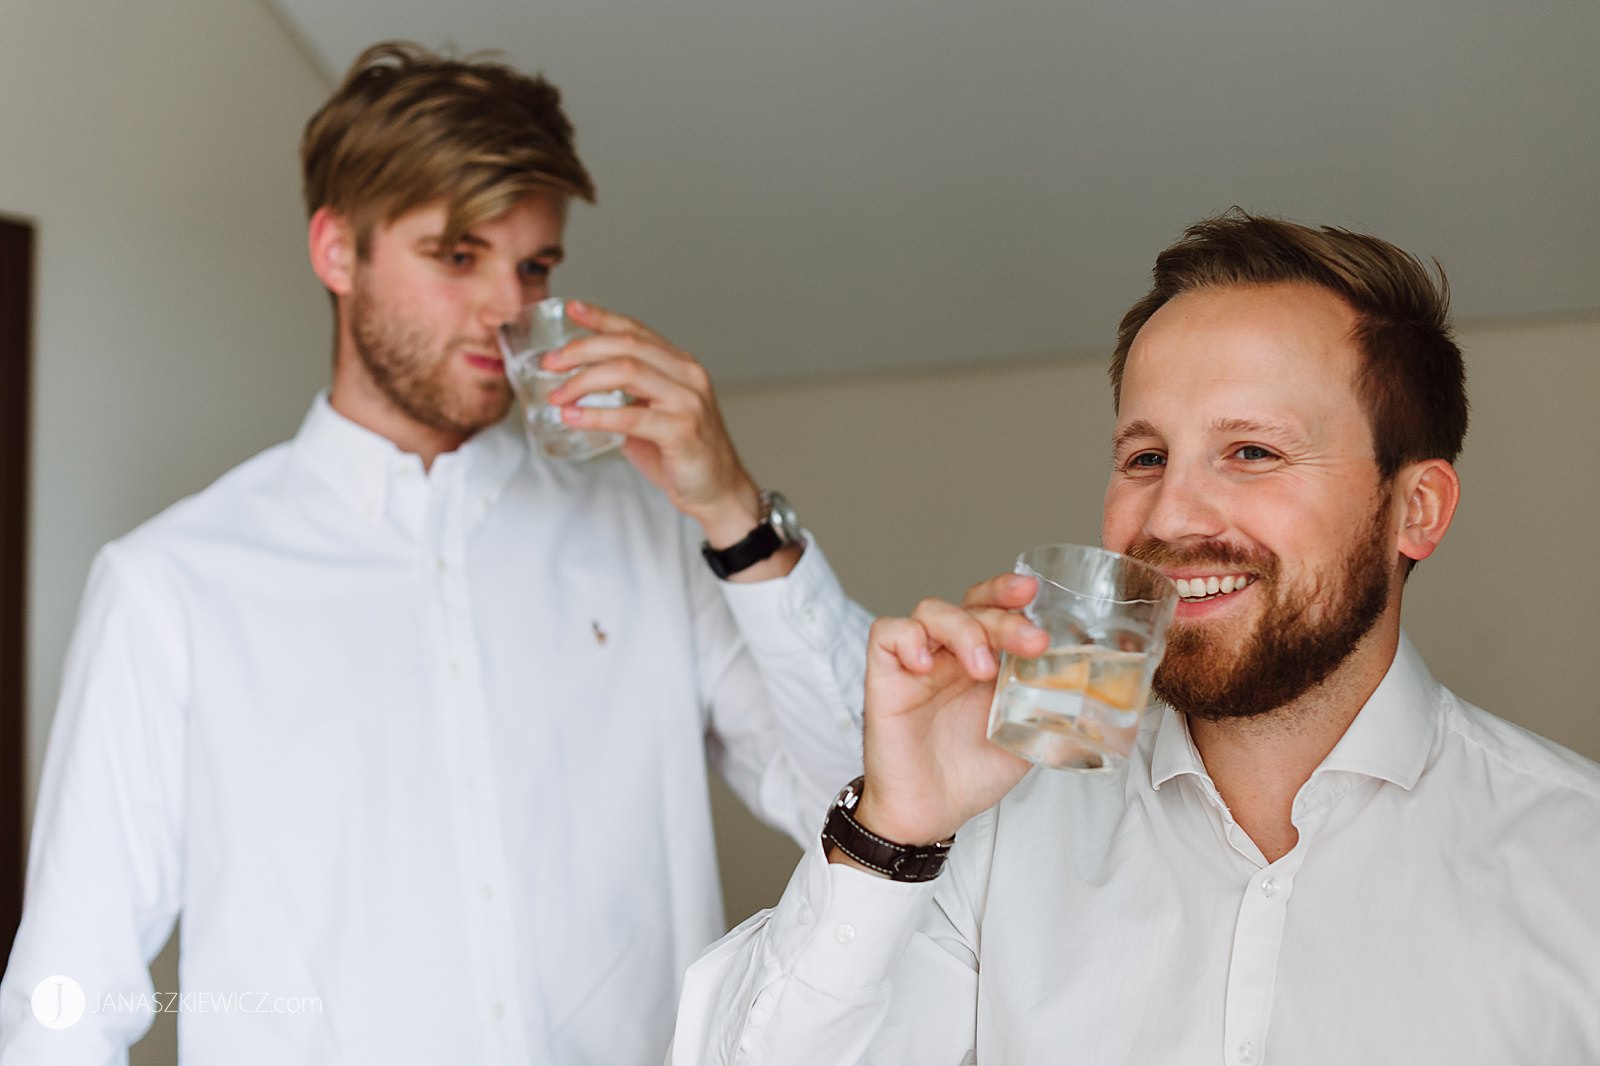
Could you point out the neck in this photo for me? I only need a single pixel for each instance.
(1259, 764)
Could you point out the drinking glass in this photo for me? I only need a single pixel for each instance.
(1077, 706)
(540, 328)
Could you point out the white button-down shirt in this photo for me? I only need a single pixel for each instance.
(420, 757)
(1442, 905)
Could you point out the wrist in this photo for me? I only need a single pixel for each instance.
(902, 831)
(730, 517)
(848, 841)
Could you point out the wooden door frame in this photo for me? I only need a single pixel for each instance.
(16, 357)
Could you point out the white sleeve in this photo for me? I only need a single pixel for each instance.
(849, 969)
(105, 868)
(783, 666)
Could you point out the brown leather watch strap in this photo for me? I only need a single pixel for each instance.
(897, 862)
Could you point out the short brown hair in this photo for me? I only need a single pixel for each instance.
(408, 127)
(1412, 379)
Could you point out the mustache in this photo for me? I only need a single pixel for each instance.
(1217, 553)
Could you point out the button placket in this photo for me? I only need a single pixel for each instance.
(464, 711)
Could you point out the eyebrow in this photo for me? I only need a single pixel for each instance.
(553, 252)
(1274, 430)
(1137, 428)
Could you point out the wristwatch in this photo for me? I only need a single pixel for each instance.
(897, 862)
(779, 527)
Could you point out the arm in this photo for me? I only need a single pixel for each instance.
(781, 666)
(780, 646)
(675, 434)
(851, 967)
(105, 870)
(847, 969)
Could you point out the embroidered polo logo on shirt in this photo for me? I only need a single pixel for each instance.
(599, 634)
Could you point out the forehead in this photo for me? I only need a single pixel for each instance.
(537, 218)
(1266, 353)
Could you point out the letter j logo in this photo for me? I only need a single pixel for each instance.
(58, 1002)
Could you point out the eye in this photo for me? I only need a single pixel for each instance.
(1147, 461)
(1253, 453)
(533, 270)
(459, 260)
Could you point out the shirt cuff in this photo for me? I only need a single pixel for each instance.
(849, 928)
(808, 602)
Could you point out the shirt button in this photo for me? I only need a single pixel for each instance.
(804, 913)
(1247, 1052)
(845, 933)
(1271, 888)
(487, 893)
(497, 1011)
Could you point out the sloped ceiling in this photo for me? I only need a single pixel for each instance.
(793, 188)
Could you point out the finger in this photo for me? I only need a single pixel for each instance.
(905, 641)
(1008, 591)
(960, 631)
(602, 320)
(974, 635)
(666, 430)
(601, 346)
(638, 379)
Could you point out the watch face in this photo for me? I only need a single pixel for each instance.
(782, 518)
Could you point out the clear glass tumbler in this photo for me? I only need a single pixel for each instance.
(540, 328)
(1077, 706)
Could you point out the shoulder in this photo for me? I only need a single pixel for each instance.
(1517, 755)
(225, 509)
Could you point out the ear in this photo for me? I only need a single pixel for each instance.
(1428, 493)
(332, 243)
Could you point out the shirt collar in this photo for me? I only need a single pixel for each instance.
(1392, 735)
(1173, 752)
(1389, 739)
(360, 465)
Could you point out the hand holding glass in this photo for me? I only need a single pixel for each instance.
(541, 328)
(1077, 706)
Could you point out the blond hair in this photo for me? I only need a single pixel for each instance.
(408, 127)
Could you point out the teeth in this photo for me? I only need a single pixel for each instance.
(1200, 588)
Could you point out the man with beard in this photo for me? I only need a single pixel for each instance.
(1317, 853)
(409, 725)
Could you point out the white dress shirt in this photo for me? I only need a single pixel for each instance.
(418, 757)
(1442, 905)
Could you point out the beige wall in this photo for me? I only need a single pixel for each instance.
(177, 330)
(921, 483)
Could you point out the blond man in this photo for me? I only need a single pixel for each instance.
(405, 725)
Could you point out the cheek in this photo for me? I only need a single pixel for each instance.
(1122, 516)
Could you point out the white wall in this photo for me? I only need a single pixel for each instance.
(177, 328)
(920, 484)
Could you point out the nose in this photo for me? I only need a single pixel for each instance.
(1185, 504)
(500, 301)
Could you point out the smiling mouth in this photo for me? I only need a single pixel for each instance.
(1200, 589)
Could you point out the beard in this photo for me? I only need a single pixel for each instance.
(401, 362)
(1294, 646)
